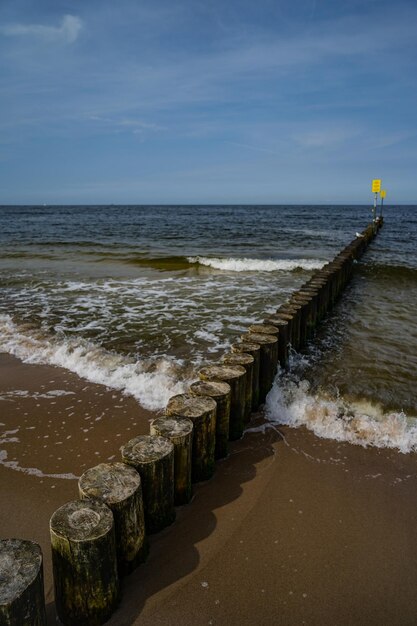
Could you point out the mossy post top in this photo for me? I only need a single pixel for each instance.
(146, 449)
(238, 358)
(214, 389)
(20, 562)
(172, 427)
(82, 520)
(222, 372)
(246, 347)
(109, 482)
(261, 338)
(263, 329)
(188, 405)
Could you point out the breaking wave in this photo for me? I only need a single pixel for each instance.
(258, 265)
(292, 403)
(152, 381)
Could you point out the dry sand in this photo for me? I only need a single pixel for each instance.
(291, 530)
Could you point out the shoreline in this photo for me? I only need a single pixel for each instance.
(292, 529)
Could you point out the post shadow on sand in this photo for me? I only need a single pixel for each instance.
(173, 554)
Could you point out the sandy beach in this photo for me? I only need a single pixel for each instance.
(291, 530)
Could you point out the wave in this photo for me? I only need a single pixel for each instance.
(391, 271)
(291, 403)
(152, 382)
(164, 263)
(257, 265)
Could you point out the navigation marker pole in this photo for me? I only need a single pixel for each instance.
(376, 187)
(382, 195)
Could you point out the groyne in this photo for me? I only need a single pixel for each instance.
(98, 539)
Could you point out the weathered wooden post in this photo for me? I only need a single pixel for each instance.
(153, 458)
(247, 361)
(179, 430)
(221, 393)
(119, 486)
(235, 376)
(22, 600)
(294, 311)
(304, 304)
(268, 362)
(84, 563)
(310, 297)
(320, 284)
(287, 317)
(283, 336)
(254, 350)
(202, 412)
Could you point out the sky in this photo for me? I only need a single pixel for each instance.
(207, 101)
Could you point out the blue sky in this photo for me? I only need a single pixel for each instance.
(199, 101)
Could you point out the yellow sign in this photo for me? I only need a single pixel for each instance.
(383, 193)
(376, 185)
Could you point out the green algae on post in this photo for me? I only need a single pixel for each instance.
(119, 486)
(247, 361)
(235, 376)
(153, 458)
(254, 349)
(221, 393)
(202, 412)
(84, 563)
(179, 430)
(269, 360)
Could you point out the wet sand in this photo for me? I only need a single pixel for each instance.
(291, 530)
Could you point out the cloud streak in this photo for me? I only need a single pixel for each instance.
(67, 32)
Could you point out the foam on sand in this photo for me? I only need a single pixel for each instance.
(152, 382)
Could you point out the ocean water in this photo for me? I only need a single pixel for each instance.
(139, 297)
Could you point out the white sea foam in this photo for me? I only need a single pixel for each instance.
(292, 403)
(25, 393)
(32, 471)
(152, 382)
(257, 265)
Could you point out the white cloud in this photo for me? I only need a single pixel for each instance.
(322, 138)
(67, 31)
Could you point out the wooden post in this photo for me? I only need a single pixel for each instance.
(179, 430)
(221, 393)
(202, 412)
(294, 311)
(119, 486)
(263, 329)
(269, 360)
(21, 584)
(84, 562)
(254, 349)
(235, 376)
(287, 317)
(305, 314)
(283, 336)
(247, 361)
(153, 458)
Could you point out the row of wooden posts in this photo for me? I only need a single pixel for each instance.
(103, 535)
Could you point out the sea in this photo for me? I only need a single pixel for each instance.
(138, 298)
